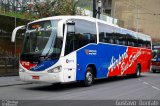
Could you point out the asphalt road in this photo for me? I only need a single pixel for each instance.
(118, 88)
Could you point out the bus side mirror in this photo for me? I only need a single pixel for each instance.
(71, 27)
(15, 32)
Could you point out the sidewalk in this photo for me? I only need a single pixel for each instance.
(11, 80)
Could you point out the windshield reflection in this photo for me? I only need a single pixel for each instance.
(41, 41)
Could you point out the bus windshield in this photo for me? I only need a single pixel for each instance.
(41, 41)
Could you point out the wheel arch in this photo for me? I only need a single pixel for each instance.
(94, 69)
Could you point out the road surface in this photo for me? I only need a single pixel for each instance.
(145, 87)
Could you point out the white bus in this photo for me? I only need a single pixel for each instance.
(79, 48)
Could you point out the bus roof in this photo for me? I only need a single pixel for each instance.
(123, 30)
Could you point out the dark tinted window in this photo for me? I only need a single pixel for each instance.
(105, 33)
(131, 40)
(85, 33)
(120, 39)
(144, 43)
(148, 44)
(114, 35)
(140, 43)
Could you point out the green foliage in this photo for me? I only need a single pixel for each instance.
(20, 15)
(41, 9)
(86, 4)
(45, 9)
(56, 7)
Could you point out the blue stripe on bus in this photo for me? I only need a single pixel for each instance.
(44, 65)
(100, 55)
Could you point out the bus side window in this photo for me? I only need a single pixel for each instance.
(117, 41)
(140, 43)
(131, 40)
(148, 44)
(85, 33)
(105, 33)
(101, 37)
(120, 39)
(111, 41)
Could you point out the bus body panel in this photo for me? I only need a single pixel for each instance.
(38, 67)
(145, 59)
(40, 76)
(67, 74)
(110, 56)
(112, 60)
(86, 56)
(69, 63)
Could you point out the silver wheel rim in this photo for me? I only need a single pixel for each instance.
(89, 77)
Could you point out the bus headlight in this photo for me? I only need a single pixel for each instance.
(55, 70)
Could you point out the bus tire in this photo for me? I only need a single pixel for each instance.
(138, 71)
(89, 77)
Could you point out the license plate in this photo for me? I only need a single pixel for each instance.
(35, 77)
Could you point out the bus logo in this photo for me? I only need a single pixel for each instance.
(90, 52)
(69, 61)
(87, 51)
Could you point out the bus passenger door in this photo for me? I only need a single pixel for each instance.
(69, 72)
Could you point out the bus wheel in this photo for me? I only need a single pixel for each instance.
(138, 71)
(89, 77)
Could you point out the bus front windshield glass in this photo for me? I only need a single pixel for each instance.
(41, 40)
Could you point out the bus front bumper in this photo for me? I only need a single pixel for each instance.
(40, 77)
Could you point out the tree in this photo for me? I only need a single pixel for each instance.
(56, 7)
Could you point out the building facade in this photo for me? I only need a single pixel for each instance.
(138, 15)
